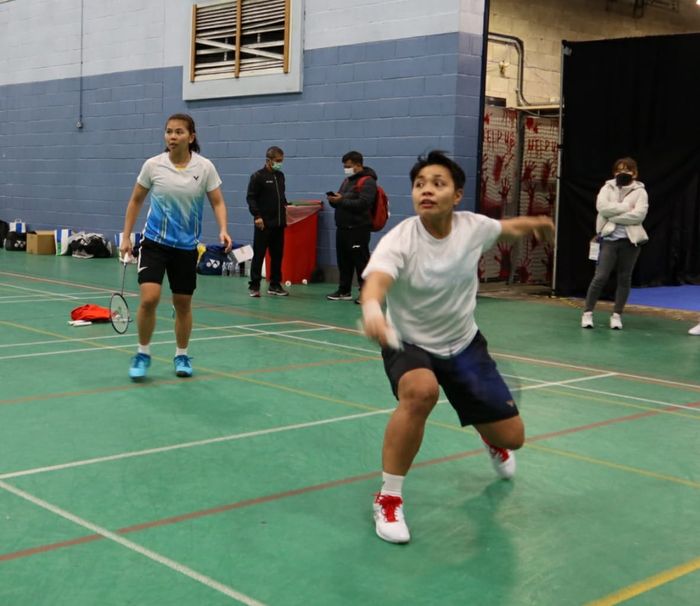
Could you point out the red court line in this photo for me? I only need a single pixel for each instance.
(305, 490)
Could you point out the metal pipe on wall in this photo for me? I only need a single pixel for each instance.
(520, 48)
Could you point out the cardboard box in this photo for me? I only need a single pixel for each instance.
(41, 243)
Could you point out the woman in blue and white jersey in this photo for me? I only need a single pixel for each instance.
(178, 180)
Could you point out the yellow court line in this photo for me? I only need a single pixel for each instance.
(610, 464)
(666, 411)
(632, 591)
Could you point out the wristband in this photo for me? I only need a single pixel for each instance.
(371, 310)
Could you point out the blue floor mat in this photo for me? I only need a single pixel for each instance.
(672, 297)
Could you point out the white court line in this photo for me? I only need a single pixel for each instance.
(261, 432)
(157, 332)
(627, 375)
(599, 392)
(183, 445)
(41, 292)
(559, 364)
(317, 342)
(168, 342)
(539, 381)
(564, 382)
(623, 375)
(52, 281)
(135, 547)
(74, 299)
(619, 395)
(23, 295)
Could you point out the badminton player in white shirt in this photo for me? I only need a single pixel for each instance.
(425, 269)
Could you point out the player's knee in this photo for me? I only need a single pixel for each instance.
(515, 439)
(419, 398)
(149, 303)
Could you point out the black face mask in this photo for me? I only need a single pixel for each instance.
(623, 179)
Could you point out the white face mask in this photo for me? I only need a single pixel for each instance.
(276, 166)
(348, 172)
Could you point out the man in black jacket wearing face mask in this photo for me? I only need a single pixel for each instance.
(268, 205)
(353, 222)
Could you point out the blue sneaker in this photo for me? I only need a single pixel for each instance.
(139, 363)
(183, 367)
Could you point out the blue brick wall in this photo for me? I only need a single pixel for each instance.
(390, 100)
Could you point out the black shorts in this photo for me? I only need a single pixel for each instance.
(180, 264)
(470, 380)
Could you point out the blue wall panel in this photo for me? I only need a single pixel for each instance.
(390, 100)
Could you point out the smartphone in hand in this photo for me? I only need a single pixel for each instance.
(330, 193)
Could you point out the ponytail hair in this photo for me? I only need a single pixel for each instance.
(187, 119)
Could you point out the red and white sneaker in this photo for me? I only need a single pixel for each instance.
(388, 519)
(503, 460)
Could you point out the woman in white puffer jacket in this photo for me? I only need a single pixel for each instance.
(622, 205)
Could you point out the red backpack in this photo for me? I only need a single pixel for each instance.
(379, 213)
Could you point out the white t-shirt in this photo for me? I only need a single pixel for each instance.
(431, 303)
(177, 198)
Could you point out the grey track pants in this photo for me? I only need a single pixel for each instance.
(618, 255)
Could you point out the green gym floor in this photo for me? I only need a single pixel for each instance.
(252, 482)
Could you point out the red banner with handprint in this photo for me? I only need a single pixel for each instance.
(513, 186)
(499, 180)
(538, 186)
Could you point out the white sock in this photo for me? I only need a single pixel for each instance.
(180, 352)
(144, 349)
(392, 484)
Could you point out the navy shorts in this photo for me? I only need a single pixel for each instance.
(180, 264)
(470, 380)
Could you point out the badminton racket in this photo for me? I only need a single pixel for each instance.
(118, 309)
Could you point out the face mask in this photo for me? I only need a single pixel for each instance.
(348, 172)
(276, 166)
(623, 179)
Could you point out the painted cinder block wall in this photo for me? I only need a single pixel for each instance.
(390, 79)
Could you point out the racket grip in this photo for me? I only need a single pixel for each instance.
(392, 337)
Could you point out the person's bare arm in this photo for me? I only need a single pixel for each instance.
(216, 199)
(133, 208)
(374, 292)
(541, 226)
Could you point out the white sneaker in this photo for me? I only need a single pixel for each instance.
(587, 319)
(388, 519)
(695, 330)
(616, 322)
(503, 461)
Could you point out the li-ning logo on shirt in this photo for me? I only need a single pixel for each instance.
(196, 177)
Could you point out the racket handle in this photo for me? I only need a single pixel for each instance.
(392, 337)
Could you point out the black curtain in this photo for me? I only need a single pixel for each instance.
(637, 97)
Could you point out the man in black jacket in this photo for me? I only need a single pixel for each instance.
(268, 205)
(353, 222)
